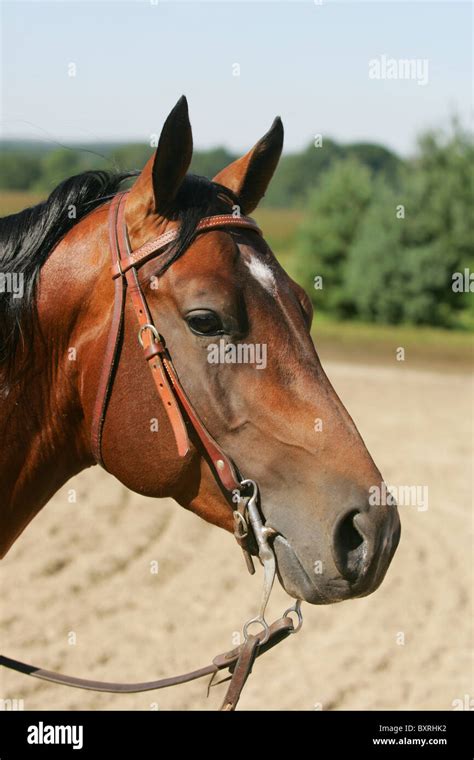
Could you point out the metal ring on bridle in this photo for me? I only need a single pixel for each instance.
(240, 522)
(297, 609)
(261, 621)
(247, 482)
(153, 331)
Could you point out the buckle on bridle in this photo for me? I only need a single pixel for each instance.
(241, 528)
(154, 332)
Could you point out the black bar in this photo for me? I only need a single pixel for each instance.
(153, 734)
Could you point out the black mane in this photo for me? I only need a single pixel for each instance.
(28, 238)
(26, 241)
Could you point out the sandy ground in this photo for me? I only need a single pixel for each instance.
(85, 568)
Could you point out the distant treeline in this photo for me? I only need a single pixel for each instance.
(38, 167)
(381, 239)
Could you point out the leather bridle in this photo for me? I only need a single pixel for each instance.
(179, 409)
(241, 494)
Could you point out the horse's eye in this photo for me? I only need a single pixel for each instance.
(205, 323)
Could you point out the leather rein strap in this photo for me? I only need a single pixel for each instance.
(239, 661)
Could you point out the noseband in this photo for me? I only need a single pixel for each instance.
(242, 495)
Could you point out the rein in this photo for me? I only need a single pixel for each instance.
(242, 494)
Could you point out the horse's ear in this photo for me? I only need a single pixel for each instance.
(163, 174)
(250, 175)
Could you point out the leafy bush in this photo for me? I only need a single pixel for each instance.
(18, 171)
(400, 266)
(387, 251)
(334, 214)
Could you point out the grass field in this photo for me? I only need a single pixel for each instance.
(424, 347)
(279, 227)
(370, 343)
(12, 201)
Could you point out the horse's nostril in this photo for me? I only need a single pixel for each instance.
(349, 547)
(347, 534)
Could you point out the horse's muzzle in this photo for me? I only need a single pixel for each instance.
(363, 545)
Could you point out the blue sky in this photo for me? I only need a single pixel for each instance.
(307, 62)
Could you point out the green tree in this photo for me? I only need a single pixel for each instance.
(381, 161)
(299, 173)
(56, 166)
(334, 214)
(131, 157)
(207, 163)
(411, 241)
(18, 171)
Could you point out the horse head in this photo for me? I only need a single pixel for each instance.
(238, 330)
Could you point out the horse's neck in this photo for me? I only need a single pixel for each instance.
(42, 427)
(39, 453)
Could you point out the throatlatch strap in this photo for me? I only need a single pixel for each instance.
(112, 348)
(152, 348)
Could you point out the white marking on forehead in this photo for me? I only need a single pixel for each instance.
(261, 272)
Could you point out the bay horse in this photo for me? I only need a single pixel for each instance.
(190, 270)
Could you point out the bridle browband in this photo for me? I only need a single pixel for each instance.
(241, 494)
